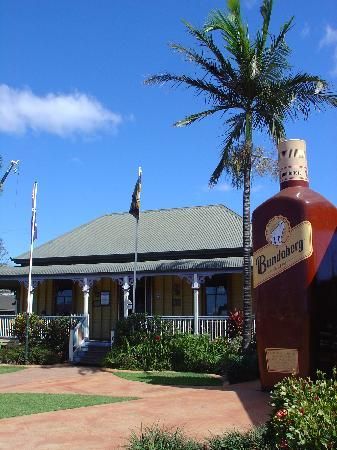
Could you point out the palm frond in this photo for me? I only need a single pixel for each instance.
(237, 126)
(197, 116)
(274, 59)
(234, 32)
(261, 38)
(218, 95)
(208, 65)
(207, 41)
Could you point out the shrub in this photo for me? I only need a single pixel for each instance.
(137, 327)
(153, 353)
(235, 323)
(56, 336)
(242, 367)
(254, 439)
(305, 413)
(42, 355)
(36, 355)
(156, 438)
(197, 353)
(37, 328)
(12, 354)
(53, 335)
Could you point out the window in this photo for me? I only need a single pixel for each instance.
(216, 301)
(64, 301)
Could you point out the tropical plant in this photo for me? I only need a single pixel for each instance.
(251, 85)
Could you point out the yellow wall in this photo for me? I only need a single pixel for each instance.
(171, 295)
(236, 291)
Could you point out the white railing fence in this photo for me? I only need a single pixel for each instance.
(6, 326)
(7, 323)
(215, 326)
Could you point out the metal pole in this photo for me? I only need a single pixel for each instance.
(135, 270)
(27, 338)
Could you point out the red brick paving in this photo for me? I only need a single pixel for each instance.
(199, 411)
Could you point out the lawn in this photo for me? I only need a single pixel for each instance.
(172, 378)
(12, 405)
(8, 369)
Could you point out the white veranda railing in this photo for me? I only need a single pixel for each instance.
(7, 323)
(215, 326)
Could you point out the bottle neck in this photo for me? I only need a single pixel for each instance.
(293, 183)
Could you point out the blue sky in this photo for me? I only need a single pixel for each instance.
(75, 111)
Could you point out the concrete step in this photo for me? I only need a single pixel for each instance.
(92, 353)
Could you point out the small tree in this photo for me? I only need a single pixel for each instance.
(250, 84)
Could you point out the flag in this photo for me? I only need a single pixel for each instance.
(33, 221)
(135, 201)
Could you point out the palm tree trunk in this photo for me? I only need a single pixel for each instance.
(247, 268)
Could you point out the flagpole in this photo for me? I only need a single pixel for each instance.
(136, 252)
(32, 232)
(30, 293)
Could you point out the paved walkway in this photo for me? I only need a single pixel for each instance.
(199, 411)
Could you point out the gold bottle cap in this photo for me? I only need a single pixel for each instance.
(292, 160)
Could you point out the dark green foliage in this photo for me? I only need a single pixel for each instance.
(138, 326)
(156, 438)
(152, 353)
(12, 354)
(242, 367)
(37, 355)
(57, 335)
(304, 413)
(52, 337)
(254, 439)
(37, 328)
(197, 353)
(149, 350)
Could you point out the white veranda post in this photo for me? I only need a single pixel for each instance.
(86, 290)
(196, 287)
(126, 287)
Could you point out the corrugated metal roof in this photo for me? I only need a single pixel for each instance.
(183, 265)
(160, 231)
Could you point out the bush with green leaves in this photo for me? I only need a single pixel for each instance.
(152, 353)
(37, 354)
(198, 353)
(304, 413)
(53, 336)
(254, 439)
(160, 438)
(136, 327)
(37, 328)
(146, 343)
(242, 366)
(157, 438)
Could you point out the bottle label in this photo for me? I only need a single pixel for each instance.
(286, 246)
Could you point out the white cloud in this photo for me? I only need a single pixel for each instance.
(330, 36)
(330, 39)
(60, 114)
(305, 30)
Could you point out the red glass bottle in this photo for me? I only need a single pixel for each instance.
(295, 274)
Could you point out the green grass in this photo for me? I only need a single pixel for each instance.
(8, 369)
(12, 405)
(172, 378)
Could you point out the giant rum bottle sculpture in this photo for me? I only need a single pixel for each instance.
(295, 274)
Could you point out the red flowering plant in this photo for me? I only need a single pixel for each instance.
(235, 323)
(304, 413)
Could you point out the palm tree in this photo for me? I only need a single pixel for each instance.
(251, 85)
